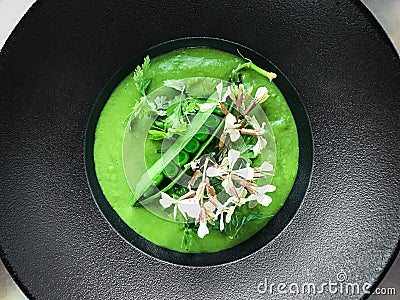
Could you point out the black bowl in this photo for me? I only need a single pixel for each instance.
(281, 219)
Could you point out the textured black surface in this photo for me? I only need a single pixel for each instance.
(53, 237)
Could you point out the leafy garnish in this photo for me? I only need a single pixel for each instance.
(142, 76)
(191, 106)
(237, 223)
(178, 85)
(187, 239)
(198, 87)
(157, 134)
(175, 116)
(159, 106)
(175, 123)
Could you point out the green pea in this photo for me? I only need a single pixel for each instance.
(182, 158)
(213, 121)
(218, 112)
(158, 179)
(171, 170)
(202, 134)
(192, 146)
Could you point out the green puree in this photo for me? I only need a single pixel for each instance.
(201, 62)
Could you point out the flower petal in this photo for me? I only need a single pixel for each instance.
(176, 212)
(230, 121)
(227, 183)
(226, 95)
(166, 200)
(203, 230)
(261, 95)
(230, 200)
(246, 173)
(264, 200)
(261, 143)
(256, 126)
(190, 208)
(266, 167)
(229, 214)
(221, 222)
(234, 134)
(233, 156)
(268, 188)
(219, 90)
(209, 206)
(215, 172)
(207, 106)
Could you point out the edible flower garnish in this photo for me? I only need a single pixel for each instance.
(224, 178)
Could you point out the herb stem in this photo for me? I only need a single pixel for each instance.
(249, 64)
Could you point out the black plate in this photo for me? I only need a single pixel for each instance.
(53, 238)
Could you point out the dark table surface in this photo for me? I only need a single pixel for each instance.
(386, 11)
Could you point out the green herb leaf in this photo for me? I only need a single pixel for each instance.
(157, 135)
(236, 223)
(161, 103)
(142, 76)
(199, 87)
(187, 239)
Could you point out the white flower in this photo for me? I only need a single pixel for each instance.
(188, 207)
(246, 173)
(231, 127)
(221, 98)
(203, 229)
(224, 209)
(265, 167)
(261, 95)
(258, 194)
(207, 106)
(225, 170)
(263, 170)
(261, 143)
(259, 131)
(237, 199)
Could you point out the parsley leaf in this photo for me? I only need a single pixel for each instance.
(142, 76)
(159, 106)
(198, 87)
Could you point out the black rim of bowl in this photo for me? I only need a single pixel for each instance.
(277, 223)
